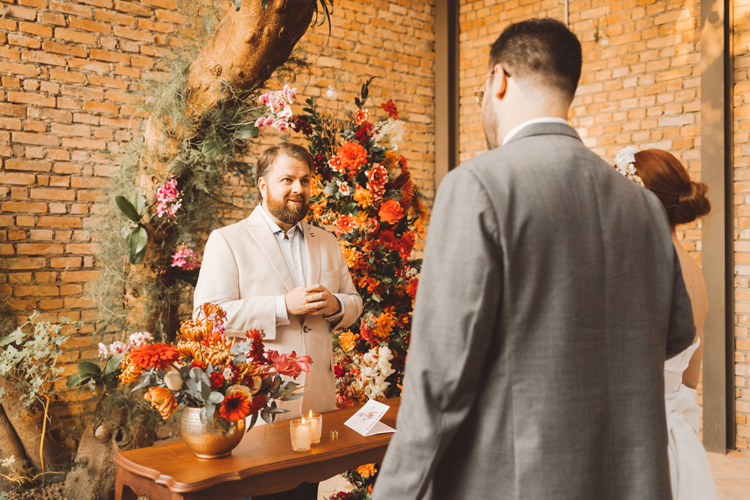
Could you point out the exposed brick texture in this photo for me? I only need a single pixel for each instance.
(640, 86)
(742, 216)
(66, 67)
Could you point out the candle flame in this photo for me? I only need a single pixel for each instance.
(310, 416)
(303, 420)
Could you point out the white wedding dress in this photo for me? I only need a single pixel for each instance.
(688, 464)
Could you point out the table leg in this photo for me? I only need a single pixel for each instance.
(122, 491)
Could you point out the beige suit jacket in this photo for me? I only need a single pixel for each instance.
(244, 271)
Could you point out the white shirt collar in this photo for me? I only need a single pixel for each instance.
(544, 119)
(275, 228)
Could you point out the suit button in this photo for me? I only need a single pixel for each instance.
(305, 329)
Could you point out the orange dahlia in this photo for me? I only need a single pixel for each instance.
(363, 197)
(360, 116)
(347, 341)
(235, 407)
(391, 212)
(163, 400)
(337, 164)
(353, 156)
(154, 355)
(346, 223)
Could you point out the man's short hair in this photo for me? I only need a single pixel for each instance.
(542, 49)
(267, 157)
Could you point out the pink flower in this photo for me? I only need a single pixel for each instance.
(185, 259)
(117, 347)
(167, 197)
(140, 338)
(281, 126)
(260, 122)
(103, 351)
(289, 93)
(290, 366)
(265, 98)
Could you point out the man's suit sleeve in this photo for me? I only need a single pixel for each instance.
(455, 317)
(347, 294)
(218, 283)
(681, 323)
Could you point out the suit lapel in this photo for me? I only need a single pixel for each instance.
(260, 230)
(313, 254)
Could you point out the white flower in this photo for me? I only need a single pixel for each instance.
(117, 347)
(103, 351)
(391, 133)
(331, 93)
(8, 461)
(140, 338)
(375, 368)
(343, 188)
(626, 157)
(91, 385)
(285, 113)
(173, 380)
(228, 374)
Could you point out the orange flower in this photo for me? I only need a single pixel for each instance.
(346, 223)
(363, 197)
(154, 355)
(235, 407)
(130, 372)
(384, 325)
(378, 178)
(420, 229)
(162, 399)
(411, 288)
(348, 340)
(337, 164)
(407, 191)
(353, 156)
(360, 116)
(350, 255)
(391, 212)
(366, 470)
(390, 108)
(391, 159)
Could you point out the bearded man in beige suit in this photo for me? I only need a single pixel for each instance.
(274, 272)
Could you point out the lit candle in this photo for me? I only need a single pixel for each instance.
(316, 426)
(301, 434)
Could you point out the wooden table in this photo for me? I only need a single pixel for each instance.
(263, 463)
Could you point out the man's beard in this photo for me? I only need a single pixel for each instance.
(287, 214)
(489, 124)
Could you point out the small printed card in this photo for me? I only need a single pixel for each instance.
(367, 420)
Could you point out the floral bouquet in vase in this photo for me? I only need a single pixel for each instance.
(220, 381)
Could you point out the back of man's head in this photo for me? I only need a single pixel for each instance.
(543, 51)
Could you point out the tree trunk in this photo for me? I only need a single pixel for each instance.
(246, 49)
(27, 425)
(10, 446)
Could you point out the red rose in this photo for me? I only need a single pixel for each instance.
(217, 380)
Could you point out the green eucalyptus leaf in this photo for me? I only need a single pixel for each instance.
(266, 416)
(237, 4)
(215, 398)
(253, 420)
(128, 209)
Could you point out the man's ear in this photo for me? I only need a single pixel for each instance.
(263, 187)
(499, 82)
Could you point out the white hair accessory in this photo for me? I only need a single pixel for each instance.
(624, 163)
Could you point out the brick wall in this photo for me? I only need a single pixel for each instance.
(67, 67)
(640, 86)
(742, 212)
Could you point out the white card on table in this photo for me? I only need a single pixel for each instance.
(367, 420)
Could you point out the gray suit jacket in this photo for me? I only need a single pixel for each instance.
(549, 299)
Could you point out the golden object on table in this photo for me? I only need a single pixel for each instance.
(334, 435)
(213, 438)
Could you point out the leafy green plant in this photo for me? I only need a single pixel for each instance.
(135, 209)
(28, 358)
